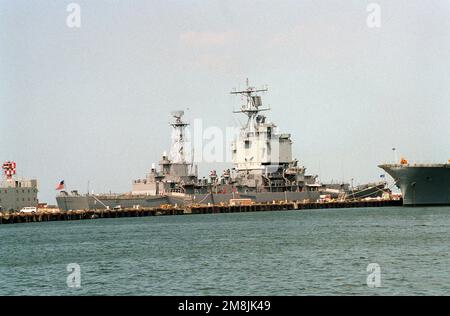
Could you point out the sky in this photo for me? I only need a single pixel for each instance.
(93, 103)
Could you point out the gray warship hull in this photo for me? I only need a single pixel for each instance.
(93, 202)
(97, 202)
(421, 184)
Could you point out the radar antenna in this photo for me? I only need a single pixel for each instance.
(253, 103)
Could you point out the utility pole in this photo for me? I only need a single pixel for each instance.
(394, 150)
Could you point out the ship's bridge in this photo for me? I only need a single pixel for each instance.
(261, 146)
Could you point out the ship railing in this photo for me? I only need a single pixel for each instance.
(416, 164)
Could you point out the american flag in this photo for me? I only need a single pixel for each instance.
(60, 186)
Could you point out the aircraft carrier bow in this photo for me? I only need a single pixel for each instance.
(421, 184)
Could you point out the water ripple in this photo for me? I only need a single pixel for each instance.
(322, 252)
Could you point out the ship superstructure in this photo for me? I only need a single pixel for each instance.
(175, 174)
(263, 157)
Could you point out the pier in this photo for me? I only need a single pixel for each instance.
(57, 215)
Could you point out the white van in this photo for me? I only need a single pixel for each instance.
(28, 209)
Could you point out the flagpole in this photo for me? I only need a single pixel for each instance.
(60, 187)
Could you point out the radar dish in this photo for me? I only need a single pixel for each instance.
(177, 114)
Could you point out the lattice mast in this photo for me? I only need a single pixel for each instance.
(177, 150)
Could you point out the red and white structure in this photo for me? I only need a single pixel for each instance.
(9, 169)
(16, 193)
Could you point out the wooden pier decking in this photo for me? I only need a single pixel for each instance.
(47, 216)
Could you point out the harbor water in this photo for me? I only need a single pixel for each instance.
(317, 252)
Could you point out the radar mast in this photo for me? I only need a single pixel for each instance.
(177, 151)
(252, 105)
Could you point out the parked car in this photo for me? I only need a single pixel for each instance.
(29, 209)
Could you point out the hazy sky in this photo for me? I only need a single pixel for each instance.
(93, 103)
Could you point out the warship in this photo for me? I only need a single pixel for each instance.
(264, 170)
(421, 184)
(16, 193)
